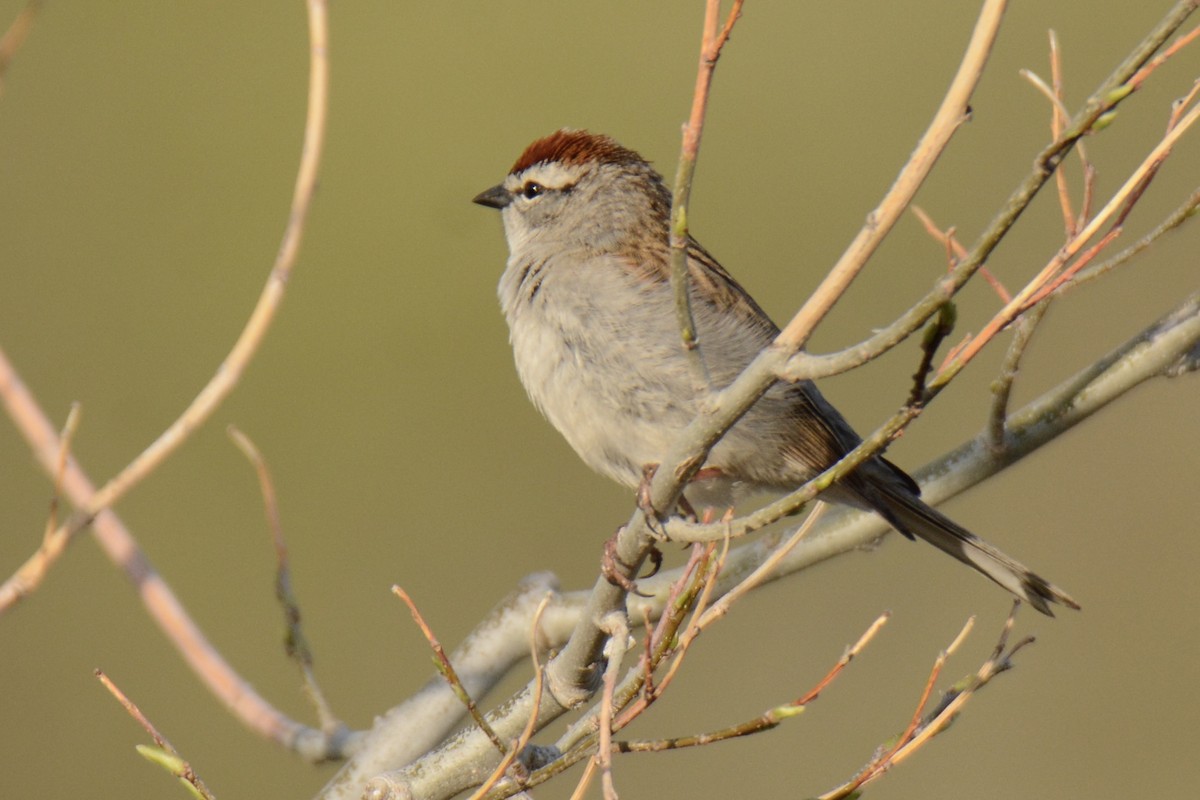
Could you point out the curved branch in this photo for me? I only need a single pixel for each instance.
(953, 112)
(114, 538)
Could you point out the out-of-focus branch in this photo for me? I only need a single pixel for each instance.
(296, 643)
(114, 538)
(244, 349)
(15, 36)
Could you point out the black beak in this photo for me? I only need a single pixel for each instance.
(495, 197)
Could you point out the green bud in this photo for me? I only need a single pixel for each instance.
(156, 755)
(1118, 94)
(1103, 121)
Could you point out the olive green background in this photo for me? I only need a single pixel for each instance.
(147, 153)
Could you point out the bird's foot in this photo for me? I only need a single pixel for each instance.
(616, 571)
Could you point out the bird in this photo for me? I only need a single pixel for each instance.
(590, 309)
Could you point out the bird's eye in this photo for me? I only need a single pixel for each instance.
(532, 189)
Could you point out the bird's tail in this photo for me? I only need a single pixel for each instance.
(912, 516)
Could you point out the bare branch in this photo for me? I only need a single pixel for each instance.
(112, 535)
(710, 50)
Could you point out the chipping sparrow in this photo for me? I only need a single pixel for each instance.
(590, 311)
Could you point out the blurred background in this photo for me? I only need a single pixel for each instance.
(147, 154)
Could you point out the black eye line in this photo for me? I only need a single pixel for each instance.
(531, 190)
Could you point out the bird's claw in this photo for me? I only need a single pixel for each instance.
(616, 571)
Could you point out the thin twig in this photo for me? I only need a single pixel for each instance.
(539, 682)
(769, 719)
(589, 771)
(637, 691)
(31, 574)
(712, 43)
(246, 346)
(705, 580)
(956, 253)
(843, 662)
(296, 643)
(447, 671)
(922, 729)
(173, 763)
(762, 572)
(1180, 215)
(1183, 41)
(914, 724)
(1034, 289)
(1002, 386)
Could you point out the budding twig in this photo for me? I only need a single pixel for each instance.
(164, 754)
(447, 670)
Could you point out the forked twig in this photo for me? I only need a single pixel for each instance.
(230, 370)
(1040, 285)
(246, 346)
(956, 253)
(30, 575)
(1187, 210)
(923, 727)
